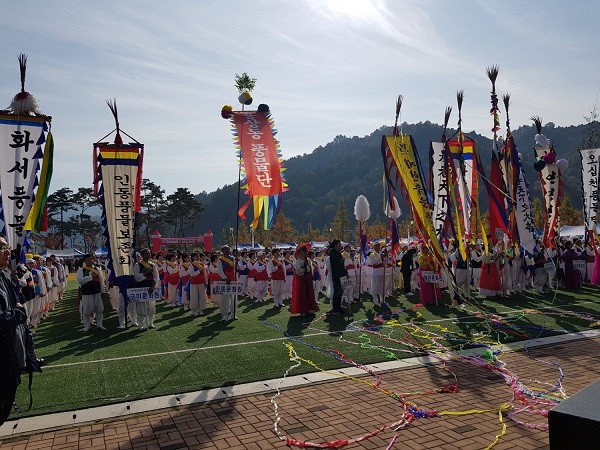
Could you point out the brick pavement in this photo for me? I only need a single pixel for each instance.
(344, 409)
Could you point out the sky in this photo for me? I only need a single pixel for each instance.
(325, 68)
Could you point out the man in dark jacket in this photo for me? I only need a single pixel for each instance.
(407, 268)
(338, 271)
(12, 348)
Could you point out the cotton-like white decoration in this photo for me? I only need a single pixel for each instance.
(24, 104)
(542, 140)
(562, 164)
(362, 211)
(393, 213)
(520, 156)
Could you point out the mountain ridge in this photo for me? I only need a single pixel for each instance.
(350, 166)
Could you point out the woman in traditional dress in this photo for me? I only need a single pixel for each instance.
(303, 294)
(596, 271)
(172, 278)
(572, 275)
(590, 259)
(489, 283)
(429, 292)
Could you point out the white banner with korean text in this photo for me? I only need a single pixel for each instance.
(20, 151)
(524, 216)
(590, 161)
(118, 183)
(439, 189)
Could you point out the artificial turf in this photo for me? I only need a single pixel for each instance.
(186, 353)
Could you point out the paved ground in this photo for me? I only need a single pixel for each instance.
(345, 409)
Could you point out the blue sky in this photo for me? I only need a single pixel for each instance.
(325, 68)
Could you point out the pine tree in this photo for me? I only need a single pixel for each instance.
(568, 214)
(283, 230)
(539, 216)
(377, 230)
(339, 225)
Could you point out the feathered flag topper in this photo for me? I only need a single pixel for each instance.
(393, 213)
(362, 212)
(24, 104)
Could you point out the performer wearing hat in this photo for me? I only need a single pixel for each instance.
(226, 269)
(243, 270)
(89, 280)
(185, 273)
(261, 277)
(303, 294)
(376, 264)
(172, 278)
(351, 292)
(197, 286)
(145, 274)
(39, 281)
(277, 270)
(476, 264)
(289, 275)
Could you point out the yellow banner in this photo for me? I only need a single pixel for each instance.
(403, 152)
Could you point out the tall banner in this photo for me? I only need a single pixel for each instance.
(21, 140)
(524, 215)
(496, 198)
(401, 163)
(462, 151)
(439, 187)
(119, 170)
(550, 181)
(590, 163)
(261, 163)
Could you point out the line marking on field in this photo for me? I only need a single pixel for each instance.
(264, 341)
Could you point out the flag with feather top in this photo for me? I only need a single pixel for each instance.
(23, 132)
(261, 163)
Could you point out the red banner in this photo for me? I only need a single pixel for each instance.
(259, 153)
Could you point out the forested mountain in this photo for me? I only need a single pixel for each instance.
(350, 166)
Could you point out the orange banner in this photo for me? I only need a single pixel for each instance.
(259, 153)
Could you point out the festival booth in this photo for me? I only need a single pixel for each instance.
(205, 240)
(247, 247)
(285, 245)
(102, 252)
(318, 245)
(573, 232)
(65, 253)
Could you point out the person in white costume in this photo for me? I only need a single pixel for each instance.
(145, 274)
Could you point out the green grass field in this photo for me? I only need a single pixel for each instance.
(186, 353)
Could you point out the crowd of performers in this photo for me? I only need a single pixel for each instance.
(40, 283)
(304, 277)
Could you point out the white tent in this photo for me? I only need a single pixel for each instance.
(65, 253)
(247, 247)
(102, 252)
(285, 245)
(318, 245)
(575, 231)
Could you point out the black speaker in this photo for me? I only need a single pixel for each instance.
(575, 422)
